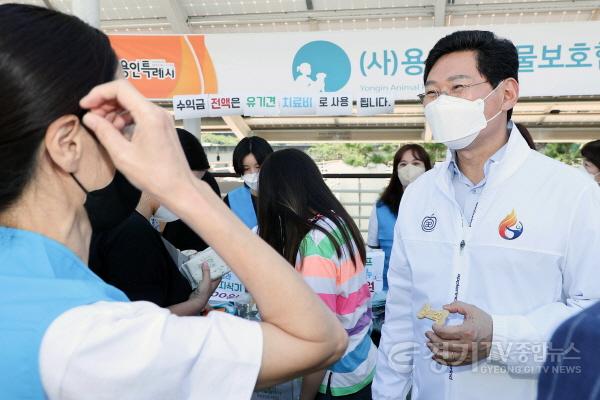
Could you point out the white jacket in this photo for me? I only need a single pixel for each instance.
(529, 285)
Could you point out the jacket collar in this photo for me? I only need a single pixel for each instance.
(517, 151)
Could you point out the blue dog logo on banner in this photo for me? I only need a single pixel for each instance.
(321, 66)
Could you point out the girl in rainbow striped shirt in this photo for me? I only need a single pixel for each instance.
(301, 219)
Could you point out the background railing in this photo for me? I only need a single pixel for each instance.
(357, 192)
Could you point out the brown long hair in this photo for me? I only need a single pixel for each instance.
(392, 194)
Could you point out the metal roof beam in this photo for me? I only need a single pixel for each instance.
(133, 23)
(440, 13)
(176, 16)
(238, 126)
(530, 7)
(304, 16)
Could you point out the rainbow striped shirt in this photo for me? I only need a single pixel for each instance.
(342, 285)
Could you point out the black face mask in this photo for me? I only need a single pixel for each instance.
(111, 205)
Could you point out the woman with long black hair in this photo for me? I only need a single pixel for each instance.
(64, 333)
(302, 220)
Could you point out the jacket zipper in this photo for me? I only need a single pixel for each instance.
(461, 247)
(456, 290)
(462, 244)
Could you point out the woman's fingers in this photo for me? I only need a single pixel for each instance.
(112, 95)
(139, 136)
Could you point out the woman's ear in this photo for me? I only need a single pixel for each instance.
(63, 142)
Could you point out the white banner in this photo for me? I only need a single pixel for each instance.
(198, 106)
(333, 104)
(260, 106)
(291, 104)
(220, 105)
(555, 60)
(190, 106)
(373, 105)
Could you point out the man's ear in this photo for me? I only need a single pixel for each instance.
(511, 93)
(63, 142)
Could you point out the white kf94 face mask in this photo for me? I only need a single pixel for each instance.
(251, 180)
(409, 173)
(455, 121)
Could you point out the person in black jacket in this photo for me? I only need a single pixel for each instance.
(134, 258)
(177, 232)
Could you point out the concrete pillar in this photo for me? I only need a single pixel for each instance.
(88, 11)
(193, 126)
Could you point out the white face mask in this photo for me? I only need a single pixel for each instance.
(251, 180)
(163, 214)
(455, 121)
(409, 173)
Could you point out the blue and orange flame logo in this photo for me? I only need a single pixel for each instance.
(510, 228)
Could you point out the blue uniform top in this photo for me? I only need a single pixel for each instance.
(386, 220)
(40, 279)
(240, 202)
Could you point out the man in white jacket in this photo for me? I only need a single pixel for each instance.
(499, 235)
